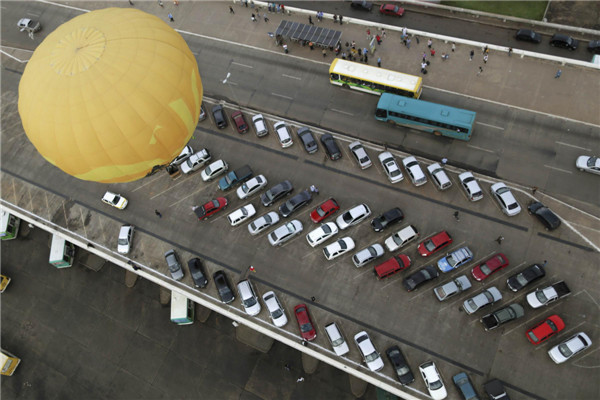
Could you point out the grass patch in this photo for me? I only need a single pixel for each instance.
(523, 9)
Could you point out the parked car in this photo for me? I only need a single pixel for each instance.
(434, 243)
(391, 9)
(321, 234)
(454, 287)
(433, 380)
(400, 365)
(521, 279)
(336, 339)
(401, 238)
(487, 297)
(392, 266)
(241, 214)
(455, 259)
(195, 161)
(495, 390)
(390, 166)
(223, 287)
(361, 5)
(493, 264)
(570, 347)
(588, 164)
(360, 154)
(470, 186)
(390, 217)
(545, 329)
(202, 115)
(29, 25)
(308, 140)
(213, 170)
(505, 199)
(197, 272)
(295, 203)
(115, 200)
(185, 153)
(338, 248)
(239, 121)
(263, 222)
(174, 265)
(353, 216)
(208, 209)
(502, 316)
(367, 255)
(276, 192)
(368, 351)
(425, 274)
(324, 210)
(527, 35)
(260, 125)
(594, 46)
(544, 214)
(248, 297)
(464, 386)
(251, 186)
(276, 310)
(564, 41)
(219, 116)
(307, 330)
(331, 147)
(283, 134)
(125, 239)
(439, 176)
(285, 232)
(415, 173)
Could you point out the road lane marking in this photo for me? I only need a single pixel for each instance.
(480, 148)
(342, 112)
(280, 95)
(242, 65)
(571, 145)
(292, 77)
(558, 169)
(490, 126)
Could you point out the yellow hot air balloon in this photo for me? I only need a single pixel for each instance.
(110, 95)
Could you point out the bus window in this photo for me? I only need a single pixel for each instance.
(9, 226)
(61, 252)
(182, 309)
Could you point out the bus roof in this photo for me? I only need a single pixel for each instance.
(370, 73)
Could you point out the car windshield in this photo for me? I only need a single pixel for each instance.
(277, 313)
(208, 171)
(429, 245)
(290, 227)
(347, 217)
(533, 337)
(502, 190)
(450, 259)
(337, 342)
(488, 296)
(307, 327)
(541, 297)
(521, 279)
(564, 349)
(512, 206)
(485, 269)
(441, 292)
(343, 245)
(371, 357)
(435, 385)
(592, 161)
(552, 325)
(372, 251)
(215, 203)
(395, 172)
(123, 241)
(249, 302)
(472, 304)
(321, 212)
(326, 229)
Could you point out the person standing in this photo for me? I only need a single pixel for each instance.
(378, 38)
(499, 239)
(368, 34)
(471, 54)
(424, 57)
(158, 214)
(310, 20)
(558, 74)
(429, 43)
(324, 53)
(444, 161)
(432, 52)
(456, 216)
(423, 67)
(171, 17)
(366, 58)
(453, 46)
(480, 71)
(379, 62)
(383, 32)
(485, 49)
(510, 50)
(311, 45)
(253, 17)
(408, 43)
(334, 19)
(230, 9)
(485, 58)
(340, 19)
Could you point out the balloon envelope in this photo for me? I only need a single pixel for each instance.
(110, 95)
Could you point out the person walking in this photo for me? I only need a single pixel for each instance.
(230, 9)
(171, 17)
(253, 17)
(311, 45)
(379, 62)
(485, 58)
(301, 379)
(471, 54)
(404, 32)
(456, 216)
(432, 52)
(408, 43)
(558, 74)
(533, 190)
(429, 43)
(158, 214)
(510, 50)
(423, 67)
(383, 32)
(424, 57)
(366, 58)
(444, 161)
(480, 71)
(287, 367)
(368, 34)
(453, 46)
(486, 50)
(378, 38)
(160, 3)
(265, 17)
(324, 53)
(365, 51)
(310, 20)
(340, 19)
(499, 239)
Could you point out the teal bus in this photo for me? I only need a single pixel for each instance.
(182, 309)
(438, 119)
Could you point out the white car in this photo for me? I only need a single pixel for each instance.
(486, 297)
(390, 166)
(285, 232)
(248, 297)
(415, 173)
(338, 343)
(260, 125)
(439, 176)
(213, 170)
(115, 200)
(195, 161)
(241, 214)
(433, 380)
(338, 248)
(568, 348)
(184, 155)
(360, 154)
(470, 185)
(401, 238)
(251, 186)
(321, 234)
(370, 355)
(367, 255)
(505, 199)
(263, 222)
(276, 310)
(29, 25)
(283, 134)
(588, 164)
(125, 239)
(353, 216)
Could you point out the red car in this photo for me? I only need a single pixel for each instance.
(488, 267)
(391, 9)
(210, 208)
(324, 210)
(545, 329)
(240, 122)
(307, 330)
(434, 243)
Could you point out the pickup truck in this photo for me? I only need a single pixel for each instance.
(502, 316)
(235, 177)
(547, 295)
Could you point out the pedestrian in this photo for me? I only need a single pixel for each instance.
(471, 54)
(378, 38)
(301, 379)
(282, 9)
(445, 56)
(304, 342)
(510, 50)
(343, 56)
(246, 3)
(368, 34)
(353, 44)
(404, 32)
(230, 8)
(287, 367)
(383, 32)
(429, 43)
(340, 19)
(334, 19)
(423, 67)
(499, 239)
(160, 3)
(265, 17)
(379, 62)
(366, 58)
(253, 17)
(533, 190)
(310, 20)
(324, 53)
(158, 214)
(480, 71)
(135, 267)
(365, 51)
(130, 2)
(359, 51)
(417, 38)
(285, 48)
(456, 217)
(545, 262)
(432, 52)
(311, 45)
(453, 46)
(485, 58)
(558, 74)
(176, 2)
(408, 43)
(313, 299)
(444, 161)
(485, 49)
(171, 17)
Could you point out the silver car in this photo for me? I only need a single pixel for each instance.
(174, 265)
(195, 161)
(263, 222)
(285, 232)
(507, 202)
(367, 255)
(449, 289)
(485, 298)
(276, 310)
(415, 173)
(390, 166)
(588, 164)
(470, 186)
(360, 154)
(439, 176)
(213, 170)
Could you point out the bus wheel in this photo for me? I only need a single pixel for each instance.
(437, 133)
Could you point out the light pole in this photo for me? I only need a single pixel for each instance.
(226, 81)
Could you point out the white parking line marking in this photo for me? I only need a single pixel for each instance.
(366, 270)
(167, 189)
(280, 95)
(572, 145)
(480, 148)
(190, 195)
(490, 126)
(342, 112)
(558, 169)
(292, 77)
(391, 282)
(242, 65)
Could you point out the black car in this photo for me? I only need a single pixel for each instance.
(525, 277)
(276, 192)
(331, 147)
(495, 390)
(419, 277)
(223, 287)
(594, 47)
(219, 115)
(527, 35)
(299, 200)
(405, 375)
(386, 219)
(564, 41)
(361, 5)
(197, 271)
(308, 140)
(545, 215)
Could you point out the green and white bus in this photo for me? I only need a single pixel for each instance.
(9, 226)
(62, 252)
(182, 309)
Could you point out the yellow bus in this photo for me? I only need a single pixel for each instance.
(374, 80)
(9, 362)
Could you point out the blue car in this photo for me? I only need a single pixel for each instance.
(455, 259)
(464, 386)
